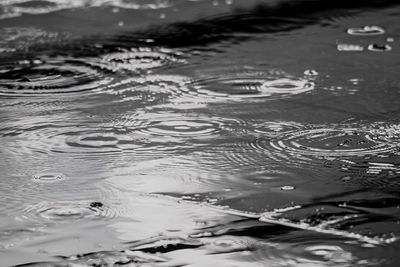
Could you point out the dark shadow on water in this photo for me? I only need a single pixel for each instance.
(234, 27)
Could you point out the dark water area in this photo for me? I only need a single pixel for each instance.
(199, 133)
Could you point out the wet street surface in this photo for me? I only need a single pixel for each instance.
(199, 133)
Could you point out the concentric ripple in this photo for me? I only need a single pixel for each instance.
(379, 48)
(182, 128)
(48, 177)
(328, 142)
(94, 140)
(52, 76)
(366, 30)
(67, 211)
(145, 136)
(275, 128)
(175, 125)
(69, 139)
(153, 87)
(140, 59)
(251, 84)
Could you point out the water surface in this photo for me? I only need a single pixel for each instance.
(197, 133)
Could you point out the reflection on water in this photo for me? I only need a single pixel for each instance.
(197, 133)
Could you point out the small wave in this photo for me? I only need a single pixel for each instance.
(379, 48)
(250, 84)
(373, 172)
(366, 31)
(48, 177)
(292, 143)
(140, 59)
(170, 127)
(50, 77)
(66, 211)
(15, 8)
(327, 142)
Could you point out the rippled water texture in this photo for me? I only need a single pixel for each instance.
(199, 133)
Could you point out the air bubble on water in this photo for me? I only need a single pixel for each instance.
(162, 16)
(120, 23)
(379, 48)
(366, 30)
(215, 3)
(390, 39)
(350, 48)
(229, 2)
(115, 10)
(287, 188)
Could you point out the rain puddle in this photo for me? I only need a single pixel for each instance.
(199, 133)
